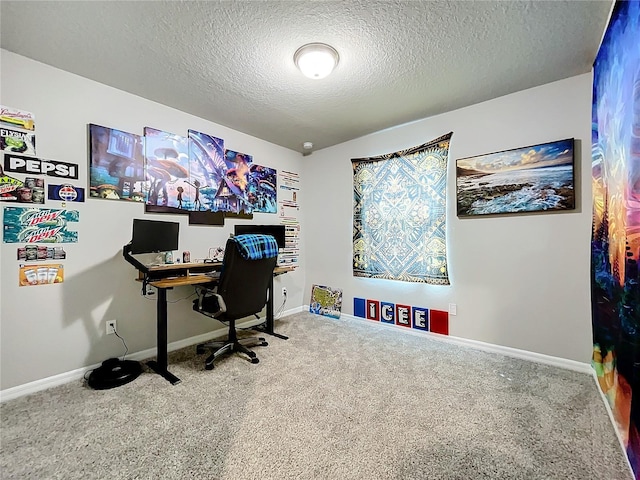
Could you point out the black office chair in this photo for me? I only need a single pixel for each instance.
(242, 291)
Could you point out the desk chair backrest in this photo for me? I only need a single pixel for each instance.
(244, 282)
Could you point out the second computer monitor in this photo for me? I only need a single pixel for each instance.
(276, 230)
(152, 236)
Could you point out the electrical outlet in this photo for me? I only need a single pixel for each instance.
(453, 309)
(284, 291)
(111, 327)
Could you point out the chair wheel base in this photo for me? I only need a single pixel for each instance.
(208, 367)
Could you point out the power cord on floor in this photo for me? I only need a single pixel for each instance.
(126, 349)
(281, 307)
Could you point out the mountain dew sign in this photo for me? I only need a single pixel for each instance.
(38, 225)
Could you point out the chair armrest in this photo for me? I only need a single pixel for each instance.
(209, 303)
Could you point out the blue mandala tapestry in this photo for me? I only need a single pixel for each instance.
(399, 214)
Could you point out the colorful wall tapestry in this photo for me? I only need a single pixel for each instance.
(615, 246)
(399, 214)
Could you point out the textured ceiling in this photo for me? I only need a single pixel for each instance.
(231, 62)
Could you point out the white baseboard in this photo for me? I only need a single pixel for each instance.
(79, 373)
(487, 347)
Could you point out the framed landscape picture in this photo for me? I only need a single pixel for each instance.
(538, 178)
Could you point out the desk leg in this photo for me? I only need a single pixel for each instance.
(268, 326)
(160, 366)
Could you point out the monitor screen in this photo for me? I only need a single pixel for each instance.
(151, 236)
(276, 230)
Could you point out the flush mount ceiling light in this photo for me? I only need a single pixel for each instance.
(316, 60)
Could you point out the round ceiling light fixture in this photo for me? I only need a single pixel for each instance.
(316, 60)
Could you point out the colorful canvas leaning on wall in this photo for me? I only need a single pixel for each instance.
(615, 243)
(326, 301)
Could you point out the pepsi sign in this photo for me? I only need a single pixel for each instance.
(66, 193)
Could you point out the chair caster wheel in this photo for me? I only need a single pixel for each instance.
(199, 349)
(255, 360)
(264, 344)
(208, 367)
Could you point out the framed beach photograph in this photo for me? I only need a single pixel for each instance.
(538, 178)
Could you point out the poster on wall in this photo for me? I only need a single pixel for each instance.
(38, 225)
(207, 170)
(232, 195)
(537, 178)
(39, 166)
(116, 164)
(29, 190)
(66, 193)
(326, 301)
(42, 274)
(17, 131)
(17, 141)
(9, 186)
(615, 240)
(167, 171)
(262, 189)
(15, 118)
(36, 253)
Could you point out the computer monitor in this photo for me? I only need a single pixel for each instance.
(152, 236)
(276, 230)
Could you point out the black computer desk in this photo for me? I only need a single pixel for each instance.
(166, 277)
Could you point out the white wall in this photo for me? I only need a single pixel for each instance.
(518, 281)
(48, 330)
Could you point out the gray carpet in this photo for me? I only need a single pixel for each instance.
(338, 400)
